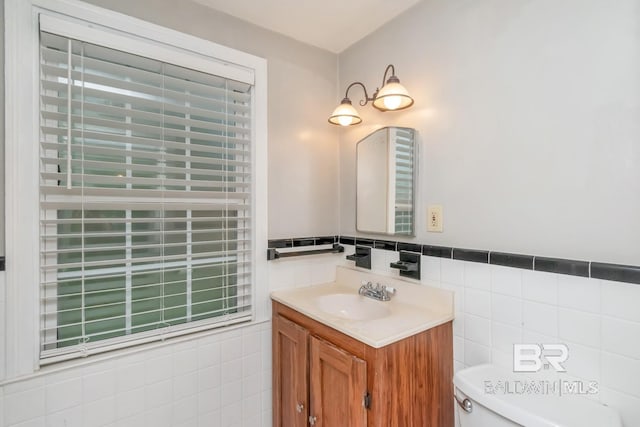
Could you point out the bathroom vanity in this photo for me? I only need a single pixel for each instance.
(341, 359)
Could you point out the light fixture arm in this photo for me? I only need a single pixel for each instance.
(366, 99)
(393, 75)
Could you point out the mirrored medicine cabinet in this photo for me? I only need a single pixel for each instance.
(386, 177)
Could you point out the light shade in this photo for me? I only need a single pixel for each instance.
(392, 96)
(345, 114)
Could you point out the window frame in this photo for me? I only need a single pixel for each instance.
(22, 338)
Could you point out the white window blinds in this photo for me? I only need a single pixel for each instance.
(145, 199)
(405, 158)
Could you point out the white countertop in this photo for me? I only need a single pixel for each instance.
(414, 308)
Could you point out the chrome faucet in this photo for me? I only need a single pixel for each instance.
(378, 292)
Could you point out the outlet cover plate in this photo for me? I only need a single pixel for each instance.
(434, 218)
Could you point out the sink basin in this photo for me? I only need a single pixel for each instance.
(351, 306)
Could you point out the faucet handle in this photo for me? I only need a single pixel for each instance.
(390, 290)
(366, 286)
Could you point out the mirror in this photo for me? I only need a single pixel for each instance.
(386, 171)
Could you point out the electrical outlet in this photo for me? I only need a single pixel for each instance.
(434, 218)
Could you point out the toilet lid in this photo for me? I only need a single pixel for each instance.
(497, 390)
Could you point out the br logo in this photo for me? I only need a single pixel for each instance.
(533, 357)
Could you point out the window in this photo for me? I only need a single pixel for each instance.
(145, 198)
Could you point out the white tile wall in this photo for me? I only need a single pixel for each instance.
(225, 379)
(477, 302)
(620, 300)
(498, 306)
(504, 336)
(579, 326)
(540, 287)
(451, 272)
(2, 331)
(616, 334)
(477, 329)
(540, 318)
(506, 281)
(63, 395)
(476, 275)
(220, 380)
(579, 293)
(169, 386)
(506, 309)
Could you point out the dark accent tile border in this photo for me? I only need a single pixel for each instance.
(325, 240)
(387, 245)
(347, 240)
(411, 247)
(593, 269)
(616, 272)
(471, 255)
(2, 265)
(365, 242)
(511, 260)
(438, 251)
(562, 266)
(304, 241)
(281, 243)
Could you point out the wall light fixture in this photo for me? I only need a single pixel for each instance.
(393, 96)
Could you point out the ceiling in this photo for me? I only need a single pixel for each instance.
(333, 25)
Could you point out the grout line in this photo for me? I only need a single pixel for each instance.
(600, 315)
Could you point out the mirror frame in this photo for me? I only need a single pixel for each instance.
(416, 162)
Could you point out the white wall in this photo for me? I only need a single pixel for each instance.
(524, 109)
(2, 131)
(215, 379)
(529, 118)
(303, 163)
(497, 307)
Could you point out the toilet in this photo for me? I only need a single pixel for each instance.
(490, 396)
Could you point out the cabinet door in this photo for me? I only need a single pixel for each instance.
(338, 386)
(290, 373)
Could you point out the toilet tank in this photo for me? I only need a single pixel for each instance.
(496, 401)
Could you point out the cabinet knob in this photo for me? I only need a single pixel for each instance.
(299, 408)
(312, 420)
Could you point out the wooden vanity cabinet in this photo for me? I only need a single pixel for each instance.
(321, 373)
(338, 386)
(290, 346)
